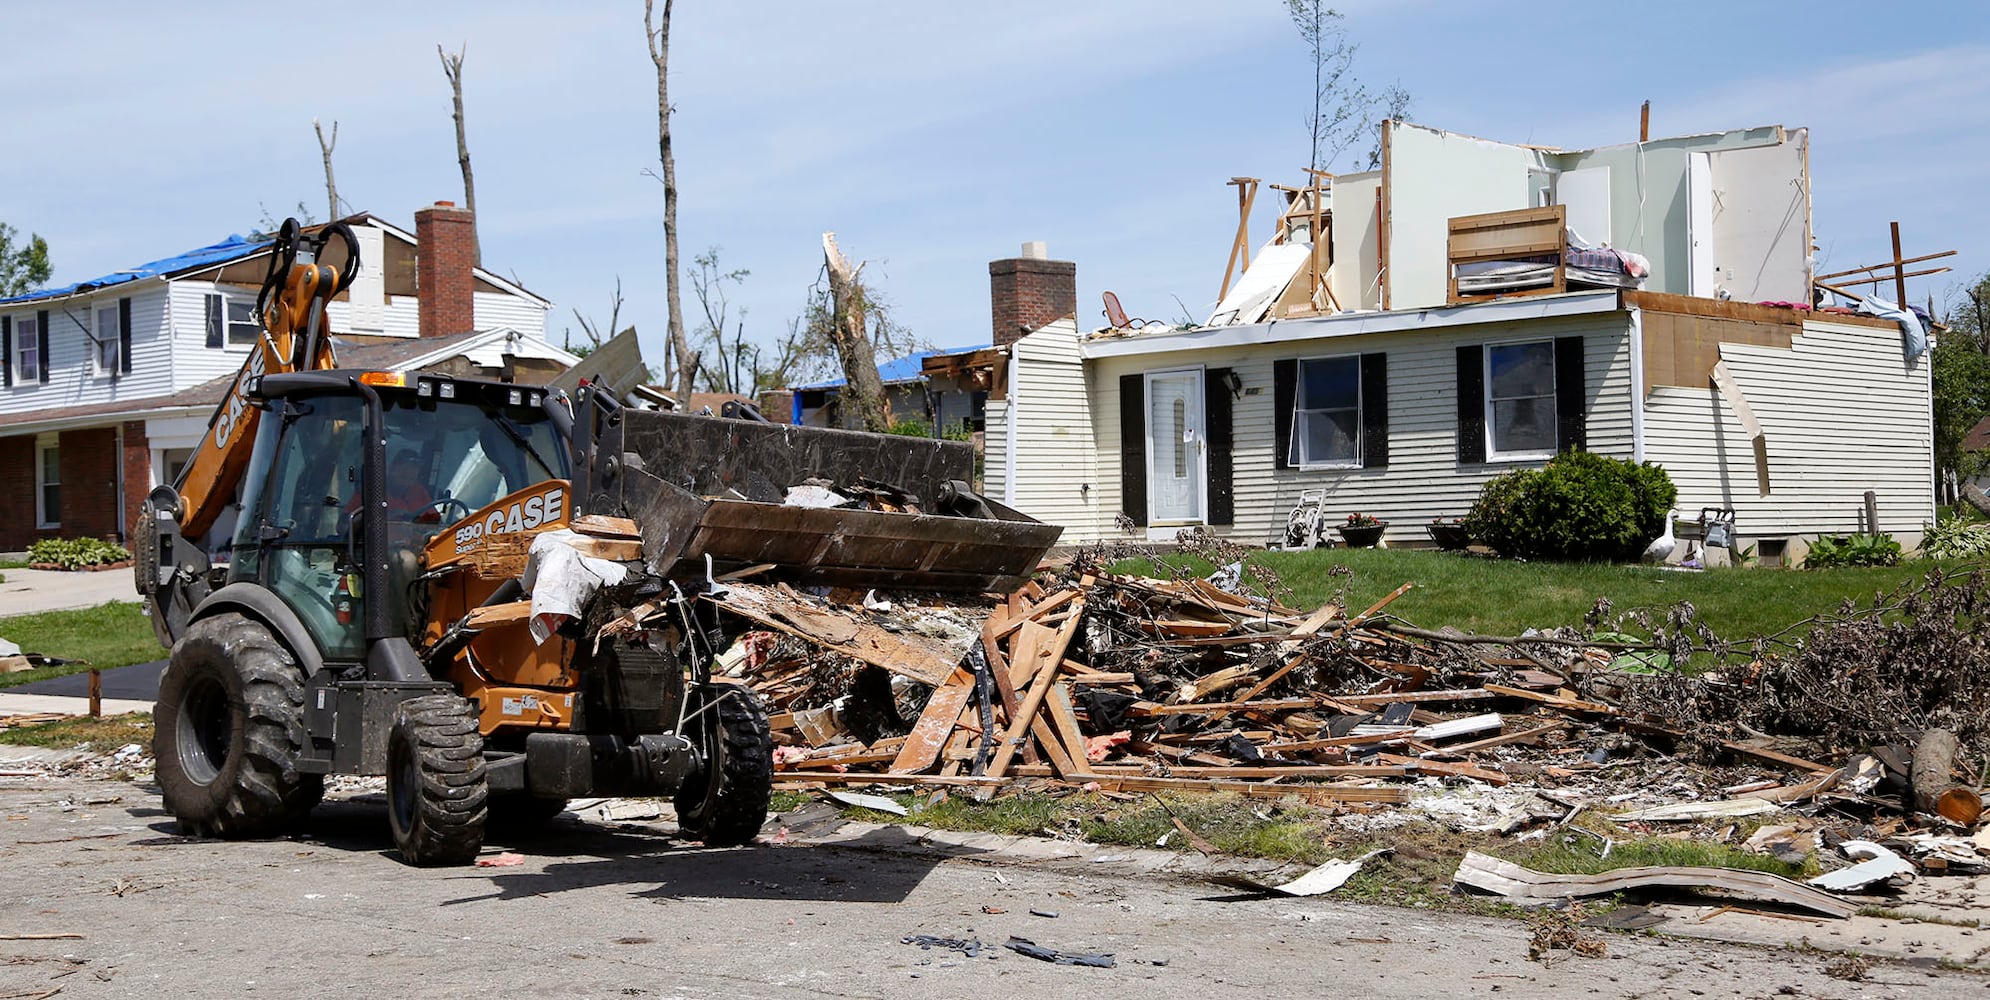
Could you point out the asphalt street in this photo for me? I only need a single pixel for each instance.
(596, 910)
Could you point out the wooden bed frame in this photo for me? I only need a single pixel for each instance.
(1526, 232)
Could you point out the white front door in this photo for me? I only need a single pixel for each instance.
(1174, 446)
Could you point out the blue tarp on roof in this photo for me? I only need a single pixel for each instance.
(226, 250)
(905, 369)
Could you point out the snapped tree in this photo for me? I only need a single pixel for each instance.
(24, 268)
(844, 321)
(452, 67)
(682, 360)
(325, 148)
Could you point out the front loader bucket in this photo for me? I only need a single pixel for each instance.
(701, 486)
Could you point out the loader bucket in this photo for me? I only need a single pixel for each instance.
(700, 486)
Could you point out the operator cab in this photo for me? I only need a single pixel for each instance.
(447, 447)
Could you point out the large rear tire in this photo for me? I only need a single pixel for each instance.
(228, 729)
(436, 788)
(728, 805)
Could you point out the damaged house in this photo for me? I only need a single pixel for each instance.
(107, 384)
(1473, 307)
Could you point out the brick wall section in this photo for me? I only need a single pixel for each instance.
(1026, 293)
(137, 472)
(90, 501)
(446, 238)
(17, 492)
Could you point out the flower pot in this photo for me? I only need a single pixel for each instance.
(1449, 537)
(1362, 536)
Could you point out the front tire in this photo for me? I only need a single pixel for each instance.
(436, 789)
(228, 729)
(728, 805)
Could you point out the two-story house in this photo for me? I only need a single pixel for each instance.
(109, 383)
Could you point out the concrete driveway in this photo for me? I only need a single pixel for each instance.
(29, 590)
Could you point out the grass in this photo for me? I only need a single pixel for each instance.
(106, 636)
(104, 735)
(1502, 597)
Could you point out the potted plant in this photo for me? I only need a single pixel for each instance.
(1450, 535)
(1362, 531)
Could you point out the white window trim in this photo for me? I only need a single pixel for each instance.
(1360, 425)
(228, 341)
(1199, 459)
(1485, 364)
(23, 343)
(98, 338)
(45, 518)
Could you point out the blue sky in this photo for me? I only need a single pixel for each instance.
(931, 138)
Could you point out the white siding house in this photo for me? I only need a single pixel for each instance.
(109, 383)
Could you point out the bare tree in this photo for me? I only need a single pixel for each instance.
(596, 333)
(734, 365)
(658, 32)
(452, 67)
(1341, 105)
(847, 328)
(325, 148)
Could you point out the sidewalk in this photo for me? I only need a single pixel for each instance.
(29, 590)
(36, 704)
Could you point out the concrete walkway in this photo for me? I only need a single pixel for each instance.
(29, 590)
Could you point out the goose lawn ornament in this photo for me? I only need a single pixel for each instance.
(1661, 547)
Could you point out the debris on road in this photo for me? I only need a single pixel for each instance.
(1026, 947)
(504, 860)
(1504, 878)
(969, 947)
(1318, 882)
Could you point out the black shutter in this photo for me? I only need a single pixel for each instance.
(214, 321)
(124, 335)
(1216, 427)
(41, 341)
(7, 351)
(1284, 389)
(1375, 411)
(1133, 447)
(1471, 403)
(1571, 401)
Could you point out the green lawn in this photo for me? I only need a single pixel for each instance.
(108, 635)
(1501, 597)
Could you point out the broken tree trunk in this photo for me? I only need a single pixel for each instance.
(1932, 777)
(452, 67)
(848, 333)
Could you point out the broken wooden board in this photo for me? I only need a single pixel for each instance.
(1504, 878)
(922, 658)
(1316, 794)
(929, 734)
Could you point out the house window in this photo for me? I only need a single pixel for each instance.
(242, 325)
(1326, 413)
(104, 346)
(48, 482)
(27, 349)
(1520, 400)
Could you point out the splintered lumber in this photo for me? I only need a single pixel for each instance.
(494, 615)
(1035, 613)
(1064, 719)
(1270, 771)
(1303, 746)
(1402, 697)
(1285, 705)
(929, 734)
(1498, 741)
(1504, 878)
(603, 526)
(1045, 652)
(927, 660)
(1552, 700)
(1317, 794)
(1428, 766)
(1208, 684)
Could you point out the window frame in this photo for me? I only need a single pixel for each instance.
(46, 444)
(1553, 396)
(1294, 442)
(102, 339)
(228, 323)
(27, 341)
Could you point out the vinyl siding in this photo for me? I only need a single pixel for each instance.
(501, 309)
(1841, 414)
(193, 361)
(1056, 449)
(73, 380)
(1423, 479)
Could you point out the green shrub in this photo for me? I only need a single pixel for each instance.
(1580, 507)
(75, 553)
(1856, 550)
(1955, 537)
(911, 427)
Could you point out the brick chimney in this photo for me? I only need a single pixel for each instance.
(1030, 291)
(446, 249)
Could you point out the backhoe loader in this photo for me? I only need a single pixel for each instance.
(497, 596)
